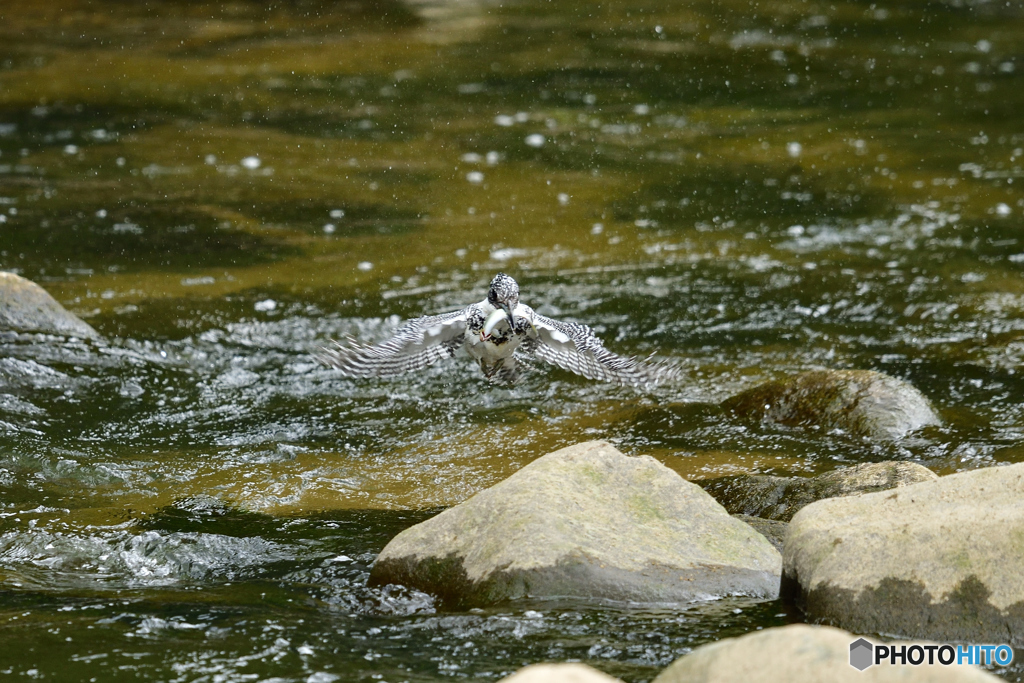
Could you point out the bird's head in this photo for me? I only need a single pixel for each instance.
(504, 295)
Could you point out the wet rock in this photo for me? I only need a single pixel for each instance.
(862, 402)
(559, 673)
(937, 560)
(585, 521)
(780, 498)
(800, 654)
(773, 530)
(27, 307)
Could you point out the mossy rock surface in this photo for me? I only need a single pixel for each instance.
(862, 402)
(27, 307)
(588, 522)
(938, 560)
(779, 498)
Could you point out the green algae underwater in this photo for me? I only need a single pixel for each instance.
(749, 189)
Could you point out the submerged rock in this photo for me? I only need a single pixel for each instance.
(559, 673)
(800, 654)
(585, 521)
(773, 530)
(27, 307)
(937, 560)
(780, 498)
(862, 402)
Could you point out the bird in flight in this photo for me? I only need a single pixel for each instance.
(494, 332)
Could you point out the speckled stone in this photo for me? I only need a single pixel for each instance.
(938, 560)
(585, 521)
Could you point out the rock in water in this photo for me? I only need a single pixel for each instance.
(771, 529)
(779, 498)
(862, 402)
(801, 654)
(559, 673)
(937, 560)
(27, 307)
(585, 521)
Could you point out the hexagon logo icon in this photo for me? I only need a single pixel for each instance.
(862, 654)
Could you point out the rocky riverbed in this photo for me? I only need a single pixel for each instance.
(922, 558)
(810, 210)
(885, 547)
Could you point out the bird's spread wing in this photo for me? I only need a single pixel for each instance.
(574, 347)
(417, 344)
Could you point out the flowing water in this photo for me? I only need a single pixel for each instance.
(749, 189)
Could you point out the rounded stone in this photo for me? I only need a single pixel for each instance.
(589, 522)
(861, 402)
(27, 307)
(559, 673)
(801, 653)
(937, 560)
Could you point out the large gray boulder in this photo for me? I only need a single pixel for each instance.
(801, 654)
(861, 402)
(938, 560)
(559, 673)
(780, 498)
(27, 307)
(585, 521)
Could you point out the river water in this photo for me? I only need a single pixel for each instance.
(747, 189)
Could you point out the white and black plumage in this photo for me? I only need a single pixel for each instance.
(493, 332)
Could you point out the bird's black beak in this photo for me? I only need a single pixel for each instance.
(511, 318)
